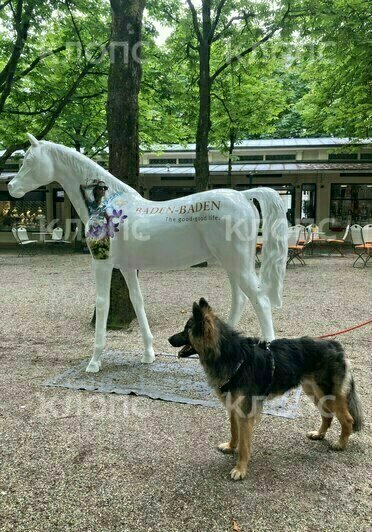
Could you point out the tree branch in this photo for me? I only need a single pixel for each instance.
(37, 60)
(219, 9)
(224, 105)
(77, 31)
(4, 4)
(22, 25)
(89, 96)
(236, 58)
(27, 113)
(245, 17)
(52, 119)
(195, 20)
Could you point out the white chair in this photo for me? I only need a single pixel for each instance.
(367, 234)
(21, 237)
(57, 235)
(337, 243)
(361, 248)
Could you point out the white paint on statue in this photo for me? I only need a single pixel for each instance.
(140, 234)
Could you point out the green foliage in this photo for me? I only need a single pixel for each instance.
(337, 71)
(57, 74)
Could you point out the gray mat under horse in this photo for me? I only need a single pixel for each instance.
(168, 379)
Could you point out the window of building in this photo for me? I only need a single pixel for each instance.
(168, 193)
(186, 161)
(162, 161)
(281, 157)
(350, 204)
(25, 211)
(366, 156)
(172, 177)
(342, 156)
(250, 157)
(308, 203)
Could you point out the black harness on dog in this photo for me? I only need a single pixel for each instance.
(225, 388)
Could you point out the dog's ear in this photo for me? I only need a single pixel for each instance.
(203, 303)
(197, 313)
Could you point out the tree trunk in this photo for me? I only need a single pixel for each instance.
(232, 139)
(122, 121)
(204, 119)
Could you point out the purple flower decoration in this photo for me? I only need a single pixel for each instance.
(96, 230)
(100, 228)
(118, 216)
(111, 227)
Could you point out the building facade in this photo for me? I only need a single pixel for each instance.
(321, 180)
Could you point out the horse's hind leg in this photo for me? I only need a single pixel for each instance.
(238, 301)
(103, 272)
(137, 301)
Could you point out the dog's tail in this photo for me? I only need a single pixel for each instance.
(274, 241)
(355, 406)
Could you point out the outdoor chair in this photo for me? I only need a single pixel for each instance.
(367, 234)
(313, 236)
(57, 235)
(337, 243)
(296, 245)
(56, 240)
(361, 248)
(26, 246)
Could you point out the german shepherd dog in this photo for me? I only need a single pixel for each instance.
(244, 371)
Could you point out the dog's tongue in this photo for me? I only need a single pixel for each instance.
(186, 351)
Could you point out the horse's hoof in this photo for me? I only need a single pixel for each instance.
(93, 367)
(148, 359)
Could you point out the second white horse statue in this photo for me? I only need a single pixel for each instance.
(139, 234)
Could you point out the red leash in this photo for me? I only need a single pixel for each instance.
(346, 330)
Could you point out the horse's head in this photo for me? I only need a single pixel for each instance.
(36, 171)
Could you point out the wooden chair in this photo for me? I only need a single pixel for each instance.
(296, 245)
(361, 248)
(337, 243)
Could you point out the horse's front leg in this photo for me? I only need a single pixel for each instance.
(137, 301)
(102, 272)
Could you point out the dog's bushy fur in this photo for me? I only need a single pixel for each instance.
(245, 370)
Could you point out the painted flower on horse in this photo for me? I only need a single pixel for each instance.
(102, 226)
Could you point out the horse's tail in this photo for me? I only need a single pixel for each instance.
(274, 241)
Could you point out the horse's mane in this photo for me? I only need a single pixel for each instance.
(87, 169)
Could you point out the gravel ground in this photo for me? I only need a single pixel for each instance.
(78, 461)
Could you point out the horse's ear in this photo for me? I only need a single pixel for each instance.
(33, 140)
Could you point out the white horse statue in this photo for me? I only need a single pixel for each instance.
(221, 224)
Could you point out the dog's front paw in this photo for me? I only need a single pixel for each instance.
(238, 473)
(226, 448)
(315, 435)
(337, 446)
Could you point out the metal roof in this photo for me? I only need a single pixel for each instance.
(323, 142)
(257, 168)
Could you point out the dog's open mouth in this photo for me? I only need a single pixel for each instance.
(186, 351)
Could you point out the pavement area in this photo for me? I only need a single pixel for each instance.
(78, 461)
